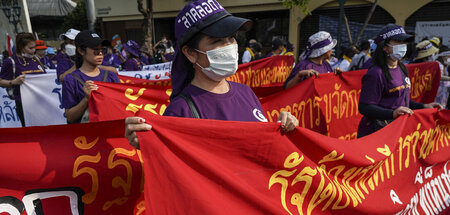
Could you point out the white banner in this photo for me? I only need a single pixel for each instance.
(42, 94)
(151, 72)
(41, 100)
(8, 114)
(433, 29)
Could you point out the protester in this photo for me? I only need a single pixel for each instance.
(207, 54)
(132, 62)
(443, 58)
(289, 49)
(13, 71)
(66, 62)
(425, 52)
(159, 51)
(359, 60)
(249, 53)
(318, 51)
(143, 56)
(41, 49)
(385, 91)
(344, 63)
(169, 53)
(78, 85)
(5, 55)
(50, 54)
(277, 47)
(110, 58)
(436, 41)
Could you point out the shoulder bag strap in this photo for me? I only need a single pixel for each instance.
(192, 106)
(78, 78)
(105, 75)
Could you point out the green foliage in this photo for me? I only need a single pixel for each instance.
(303, 4)
(77, 19)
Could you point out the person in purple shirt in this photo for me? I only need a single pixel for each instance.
(66, 62)
(132, 51)
(14, 68)
(47, 60)
(277, 48)
(318, 51)
(385, 90)
(78, 85)
(110, 58)
(206, 55)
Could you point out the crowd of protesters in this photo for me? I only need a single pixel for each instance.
(84, 57)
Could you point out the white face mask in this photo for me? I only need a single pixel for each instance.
(27, 55)
(70, 50)
(223, 62)
(447, 61)
(398, 51)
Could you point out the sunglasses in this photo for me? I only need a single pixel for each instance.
(97, 51)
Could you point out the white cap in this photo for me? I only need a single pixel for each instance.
(71, 34)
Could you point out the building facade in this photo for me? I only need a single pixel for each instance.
(271, 19)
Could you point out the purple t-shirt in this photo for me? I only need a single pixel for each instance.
(238, 104)
(72, 89)
(132, 64)
(169, 56)
(308, 64)
(23, 66)
(377, 90)
(64, 63)
(111, 60)
(47, 62)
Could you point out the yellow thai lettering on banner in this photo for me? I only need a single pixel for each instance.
(129, 93)
(81, 143)
(421, 82)
(291, 161)
(117, 181)
(133, 107)
(87, 198)
(336, 105)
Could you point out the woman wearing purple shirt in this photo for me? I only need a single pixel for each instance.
(318, 51)
(206, 55)
(385, 90)
(21, 63)
(78, 85)
(133, 63)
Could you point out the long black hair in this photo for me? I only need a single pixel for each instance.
(192, 44)
(79, 57)
(380, 57)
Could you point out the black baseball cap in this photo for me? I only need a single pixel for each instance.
(88, 38)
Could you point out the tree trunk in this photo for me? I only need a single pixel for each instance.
(366, 22)
(347, 27)
(147, 25)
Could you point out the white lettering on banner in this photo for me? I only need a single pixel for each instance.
(395, 198)
(74, 198)
(151, 72)
(433, 197)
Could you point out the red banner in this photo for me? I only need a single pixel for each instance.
(272, 71)
(70, 169)
(328, 104)
(91, 169)
(213, 167)
(425, 78)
